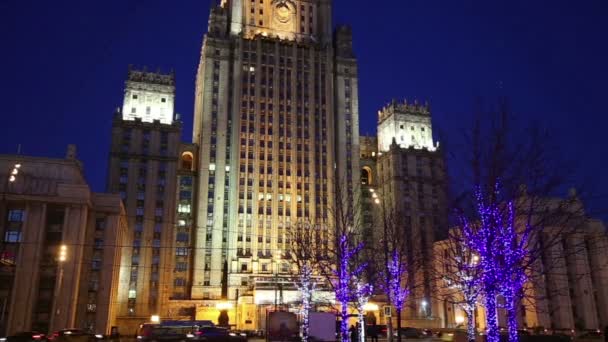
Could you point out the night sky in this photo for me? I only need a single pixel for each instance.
(64, 64)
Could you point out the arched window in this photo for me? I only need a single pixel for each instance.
(366, 176)
(187, 161)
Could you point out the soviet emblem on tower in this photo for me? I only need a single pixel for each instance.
(283, 14)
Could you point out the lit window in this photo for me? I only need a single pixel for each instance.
(211, 167)
(183, 208)
(181, 223)
(132, 294)
(15, 215)
(12, 236)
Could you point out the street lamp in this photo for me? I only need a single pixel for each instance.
(276, 278)
(424, 307)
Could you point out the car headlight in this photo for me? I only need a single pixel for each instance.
(99, 336)
(189, 336)
(139, 337)
(232, 334)
(2, 339)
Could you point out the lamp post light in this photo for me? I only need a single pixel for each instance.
(425, 304)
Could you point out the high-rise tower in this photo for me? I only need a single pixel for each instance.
(143, 169)
(276, 120)
(412, 187)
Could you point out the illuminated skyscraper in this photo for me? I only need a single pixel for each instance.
(143, 169)
(412, 186)
(276, 119)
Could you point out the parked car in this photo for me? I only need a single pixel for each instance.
(157, 332)
(408, 332)
(26, 336)
(72, 335)
(216, 334)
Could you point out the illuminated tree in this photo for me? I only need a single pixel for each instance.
(304, 255)
(513, 217)
(362, 294)
(460, 271)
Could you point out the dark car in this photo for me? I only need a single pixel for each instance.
(155, 332)
(26, 336)
(213, 334)
(408, 333)
(72, 335)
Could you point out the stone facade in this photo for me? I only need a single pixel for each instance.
(60, 247)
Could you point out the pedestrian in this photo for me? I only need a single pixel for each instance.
(354, 334)
(373, 332)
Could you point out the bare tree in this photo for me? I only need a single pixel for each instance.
(305, 255)
(397, 264)
(460, 273)
(333, 250)
(515, 216)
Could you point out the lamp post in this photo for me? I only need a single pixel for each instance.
(62, 257)
(276, 279)
(425, 305)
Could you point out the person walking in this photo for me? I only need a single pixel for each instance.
(354, 334)
(373, 332)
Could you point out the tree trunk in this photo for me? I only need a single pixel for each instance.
(361, 325)
(471, 333)
(389, 329)
(344, 323)
(511, 306)
(492, 317)
(305, 316)
(398, 324)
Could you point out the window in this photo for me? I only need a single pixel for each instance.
(185, 195)
(15, 215)
(182, 237)
(243, 267)
(12, 236)
(132, 294)
(180, 282)
(100, 224)
(148, 110)
(134, 96)
(133, 110)
(181, 251)
(183, 208)
(163, 100)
